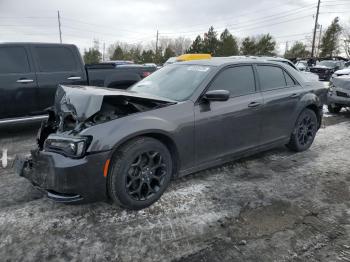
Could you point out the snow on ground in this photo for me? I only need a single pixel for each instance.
(275, 206)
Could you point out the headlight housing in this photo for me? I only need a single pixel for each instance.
(67, 146)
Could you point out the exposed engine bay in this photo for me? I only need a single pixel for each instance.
(79, 107)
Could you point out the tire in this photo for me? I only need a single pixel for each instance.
(304, 131)
(140, 172)
(334, 109)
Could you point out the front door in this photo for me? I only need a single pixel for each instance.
(229, 127)
(18, 85)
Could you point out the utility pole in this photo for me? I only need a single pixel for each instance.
(59, 25)
(157, 42)
(286, 50)
(104, 49)
(319, 41)
(315, 28)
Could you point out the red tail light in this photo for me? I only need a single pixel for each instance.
(145, 74)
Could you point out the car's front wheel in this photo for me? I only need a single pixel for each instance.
(334, 109)
(140, 173)
(304, 131)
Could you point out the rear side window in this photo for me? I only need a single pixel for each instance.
(55, 59)
(289, 80)
(13, 60)
(237, 80)
(271, 77)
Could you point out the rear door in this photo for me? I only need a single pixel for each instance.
(225, 128)
(56, 64)
(281, 95)
(18, 85)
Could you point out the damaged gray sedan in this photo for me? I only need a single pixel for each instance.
(100, 143)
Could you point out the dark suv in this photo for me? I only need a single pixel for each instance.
(127, 145)
(326, 68)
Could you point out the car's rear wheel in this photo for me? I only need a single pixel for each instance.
(140, 173)
(304, 131)
(334, 109)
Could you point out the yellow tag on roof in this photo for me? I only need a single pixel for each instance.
(189, 57)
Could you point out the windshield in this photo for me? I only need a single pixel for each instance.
(175, 82)
(327, 63)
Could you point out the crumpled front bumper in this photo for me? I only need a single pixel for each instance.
(64, 179)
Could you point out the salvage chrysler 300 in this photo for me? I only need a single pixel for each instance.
(126, 145)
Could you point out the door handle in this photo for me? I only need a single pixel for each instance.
(23, 81)
(294, 95)
(74, 78)
(254, 104)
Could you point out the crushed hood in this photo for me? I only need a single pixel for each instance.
(85, 101)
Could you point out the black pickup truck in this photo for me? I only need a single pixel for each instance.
(31, 72)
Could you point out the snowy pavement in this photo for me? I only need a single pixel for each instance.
(275, 206)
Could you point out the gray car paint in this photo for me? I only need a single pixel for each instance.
(200, 139)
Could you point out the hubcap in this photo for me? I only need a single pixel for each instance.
(146, 175)
(306, 130)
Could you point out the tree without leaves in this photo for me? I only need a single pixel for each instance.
(298, 50)
(228, 45)
(330, 39)
(92, 56)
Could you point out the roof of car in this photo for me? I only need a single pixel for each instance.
(219, 61)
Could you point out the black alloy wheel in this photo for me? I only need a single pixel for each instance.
(146, 175)
(304, 131)
(140, 172)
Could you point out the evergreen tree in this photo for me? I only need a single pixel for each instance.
(169, 52)
(118, 54)
(92, 56)
(330, 40)
(147, 56)
(210, 42)
(228, 45)
(248, 46)
(266, 46)
(298, 50)
(197, 46)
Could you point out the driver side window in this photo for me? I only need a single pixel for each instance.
(238, 80)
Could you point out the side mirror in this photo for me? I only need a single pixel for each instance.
(217, 95)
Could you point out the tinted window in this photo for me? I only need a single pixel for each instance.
(13, 60)
(289, 80)
(55, 59)
(237, 80)
(271, 77)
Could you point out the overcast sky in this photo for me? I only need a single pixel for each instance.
(136, 21)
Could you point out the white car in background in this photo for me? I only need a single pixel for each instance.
(342, 72)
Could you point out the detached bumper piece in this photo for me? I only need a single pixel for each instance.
(64, 179)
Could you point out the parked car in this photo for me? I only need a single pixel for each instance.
(170, 61)
(31, 72)
(302, 65)
(185, 117)
(342, 72)
(326, 68)
(339, 93)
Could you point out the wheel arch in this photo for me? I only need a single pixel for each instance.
(163, 137)
(316, 110)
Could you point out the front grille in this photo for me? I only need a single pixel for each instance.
(342, 94)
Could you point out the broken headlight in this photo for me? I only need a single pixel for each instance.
(71, 147)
